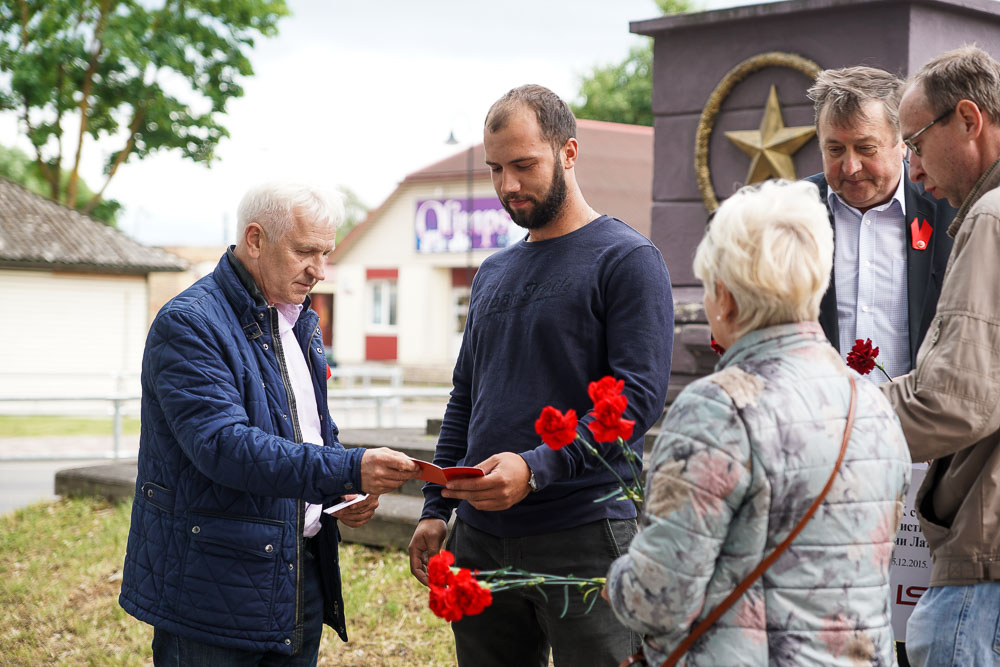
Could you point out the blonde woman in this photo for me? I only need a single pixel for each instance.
(745, 451)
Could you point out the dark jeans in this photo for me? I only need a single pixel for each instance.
(170, 650)
(522, 624)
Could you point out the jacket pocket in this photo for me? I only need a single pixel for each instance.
(935, 531)
(158, 496)
(230, 571)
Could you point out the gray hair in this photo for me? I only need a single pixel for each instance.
(275, 206)
(966, 73)
(844, 93)
(771, 245)
(557, 122)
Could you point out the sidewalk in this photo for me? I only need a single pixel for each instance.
(66, 447)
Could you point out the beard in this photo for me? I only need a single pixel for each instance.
(543, 212)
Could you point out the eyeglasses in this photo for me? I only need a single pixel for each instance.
(909, 140)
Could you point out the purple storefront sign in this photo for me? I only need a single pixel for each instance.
(442, 225)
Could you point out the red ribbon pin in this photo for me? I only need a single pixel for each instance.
(920, 233)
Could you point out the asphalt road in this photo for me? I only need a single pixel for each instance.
(23, 483)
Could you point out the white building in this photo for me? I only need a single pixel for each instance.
(74, 299)
(401, 278)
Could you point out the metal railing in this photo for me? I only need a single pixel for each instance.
(383, 395)
(366, 373)
(117, 403)
(379, 396)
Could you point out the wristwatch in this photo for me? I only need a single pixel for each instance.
(532, 482)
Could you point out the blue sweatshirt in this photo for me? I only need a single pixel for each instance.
(545, 319)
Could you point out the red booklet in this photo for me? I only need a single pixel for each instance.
(432, 473)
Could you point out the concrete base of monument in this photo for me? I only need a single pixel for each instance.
(113, 481)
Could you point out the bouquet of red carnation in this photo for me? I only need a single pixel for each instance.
(457, 592)
(862, 358)
(558, 430)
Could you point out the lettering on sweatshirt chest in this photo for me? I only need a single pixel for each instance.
(496, 299)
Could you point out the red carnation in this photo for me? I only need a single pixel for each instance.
(470, 597)
(606, 387)
(442, 602)
(862, 356)
(453, 596)
(718, 349)
(556, 429)
(608, 424)
(439, 568)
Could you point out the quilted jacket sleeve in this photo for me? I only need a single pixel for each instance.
(191, 366)
(698, 479)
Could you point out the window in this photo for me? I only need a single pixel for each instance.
(461, 299)
(382, 295)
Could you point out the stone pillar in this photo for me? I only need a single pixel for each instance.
(693, 54)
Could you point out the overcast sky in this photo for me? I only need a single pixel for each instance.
(362, 93)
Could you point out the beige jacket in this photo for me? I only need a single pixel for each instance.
(949, 405)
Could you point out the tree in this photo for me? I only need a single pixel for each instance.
(623, 92)
(146, 77)
(355, 211)
(16, 165)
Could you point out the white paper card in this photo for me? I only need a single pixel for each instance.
(346, 503)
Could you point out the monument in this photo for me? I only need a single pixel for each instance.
(730, 107)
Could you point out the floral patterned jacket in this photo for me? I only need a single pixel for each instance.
(742, 455)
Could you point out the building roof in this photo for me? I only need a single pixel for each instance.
(454, 166)
(37, 233)
(614, 171)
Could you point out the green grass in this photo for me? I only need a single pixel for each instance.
(45, 425)
(60, 574)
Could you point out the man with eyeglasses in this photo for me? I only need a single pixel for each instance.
(949, 406)
(890, 245)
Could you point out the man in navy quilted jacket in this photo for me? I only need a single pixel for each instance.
(231, 556)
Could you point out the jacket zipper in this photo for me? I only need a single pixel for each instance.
(298, 632)
(283, 369)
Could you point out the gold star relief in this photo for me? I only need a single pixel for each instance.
(772, 146)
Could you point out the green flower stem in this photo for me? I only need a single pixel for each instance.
(631, 458)
(505, 586)
(882, 368)
(507, 579)
(630, 493)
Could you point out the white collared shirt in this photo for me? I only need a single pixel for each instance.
(305, 397)
(870, 279)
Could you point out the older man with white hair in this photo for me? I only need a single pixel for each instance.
(230, 555)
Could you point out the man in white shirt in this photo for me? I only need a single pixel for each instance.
(890, 243)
